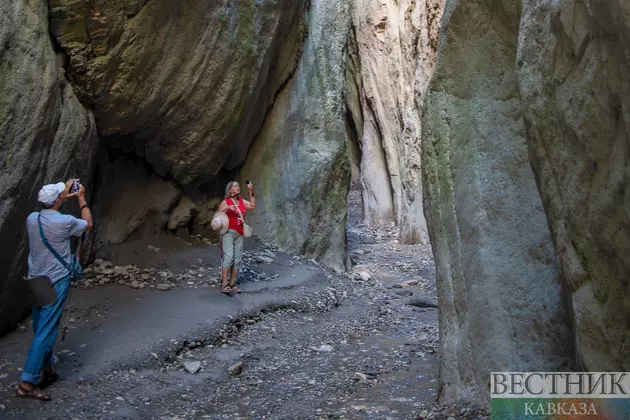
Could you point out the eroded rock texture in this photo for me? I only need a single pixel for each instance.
(499, 287)
(392, 51)
(182, 84)
(300, 157)
(540, 83)
(46, 135)
(574, 72)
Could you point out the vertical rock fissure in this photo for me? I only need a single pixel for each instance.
(372, 209)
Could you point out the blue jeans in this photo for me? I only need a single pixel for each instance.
(46, 322)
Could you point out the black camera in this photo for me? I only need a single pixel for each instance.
(248, 182)
(75, 186)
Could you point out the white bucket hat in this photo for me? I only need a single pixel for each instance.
(49, 193)
(220, 222)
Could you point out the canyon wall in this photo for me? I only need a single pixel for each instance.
(525, 165)
(46, 136)
(300, 158)
(393, 47)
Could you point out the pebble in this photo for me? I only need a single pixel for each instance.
(360, 377)
(163, 287)
(236, 369)
(192, 366)
(22, 328)
(323, 348)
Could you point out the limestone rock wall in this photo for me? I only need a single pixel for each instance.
(46, 135)
(299, 159)
(179, 89)
(395, 50)
(183, 85)
(499, 287)
(525, 164)
(573, 65)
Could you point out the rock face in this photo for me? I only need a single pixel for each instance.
(299, 159)
(130, 197)
(46, 135)
(186, 88)
(541, 84)
(182, 214)
(392, 53)
(179, 92)
(181, 85)
(574, 73)
(499, 287)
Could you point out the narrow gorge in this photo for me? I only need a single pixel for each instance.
(493, 131)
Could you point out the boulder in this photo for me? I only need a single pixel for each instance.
(182, 214)
(130, 197)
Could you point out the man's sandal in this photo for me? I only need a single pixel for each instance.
(235, 289)
(47, 380)
(33, 393)
(226, 289)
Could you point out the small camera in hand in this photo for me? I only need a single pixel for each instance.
(248, 182)
(75, 186)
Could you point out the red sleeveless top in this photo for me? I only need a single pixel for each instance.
(235, 219)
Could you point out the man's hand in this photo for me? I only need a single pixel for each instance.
(81, 192)
(66, 193)
(250, 186)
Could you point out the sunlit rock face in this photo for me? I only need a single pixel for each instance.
(392, 54)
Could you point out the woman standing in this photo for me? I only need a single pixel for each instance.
(232, 241)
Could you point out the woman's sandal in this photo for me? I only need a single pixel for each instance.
(236, 289)
(33, 393)
(226, 289)
(47, 380)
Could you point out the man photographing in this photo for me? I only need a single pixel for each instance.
(49, 262)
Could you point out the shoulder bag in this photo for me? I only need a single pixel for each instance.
(247, 230)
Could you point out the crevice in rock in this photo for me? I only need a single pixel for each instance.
(280, 89)
(354, 112)
(280, 46)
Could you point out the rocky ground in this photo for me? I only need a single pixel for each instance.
(361, 345)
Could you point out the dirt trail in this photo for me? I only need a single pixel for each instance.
(302, 342)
